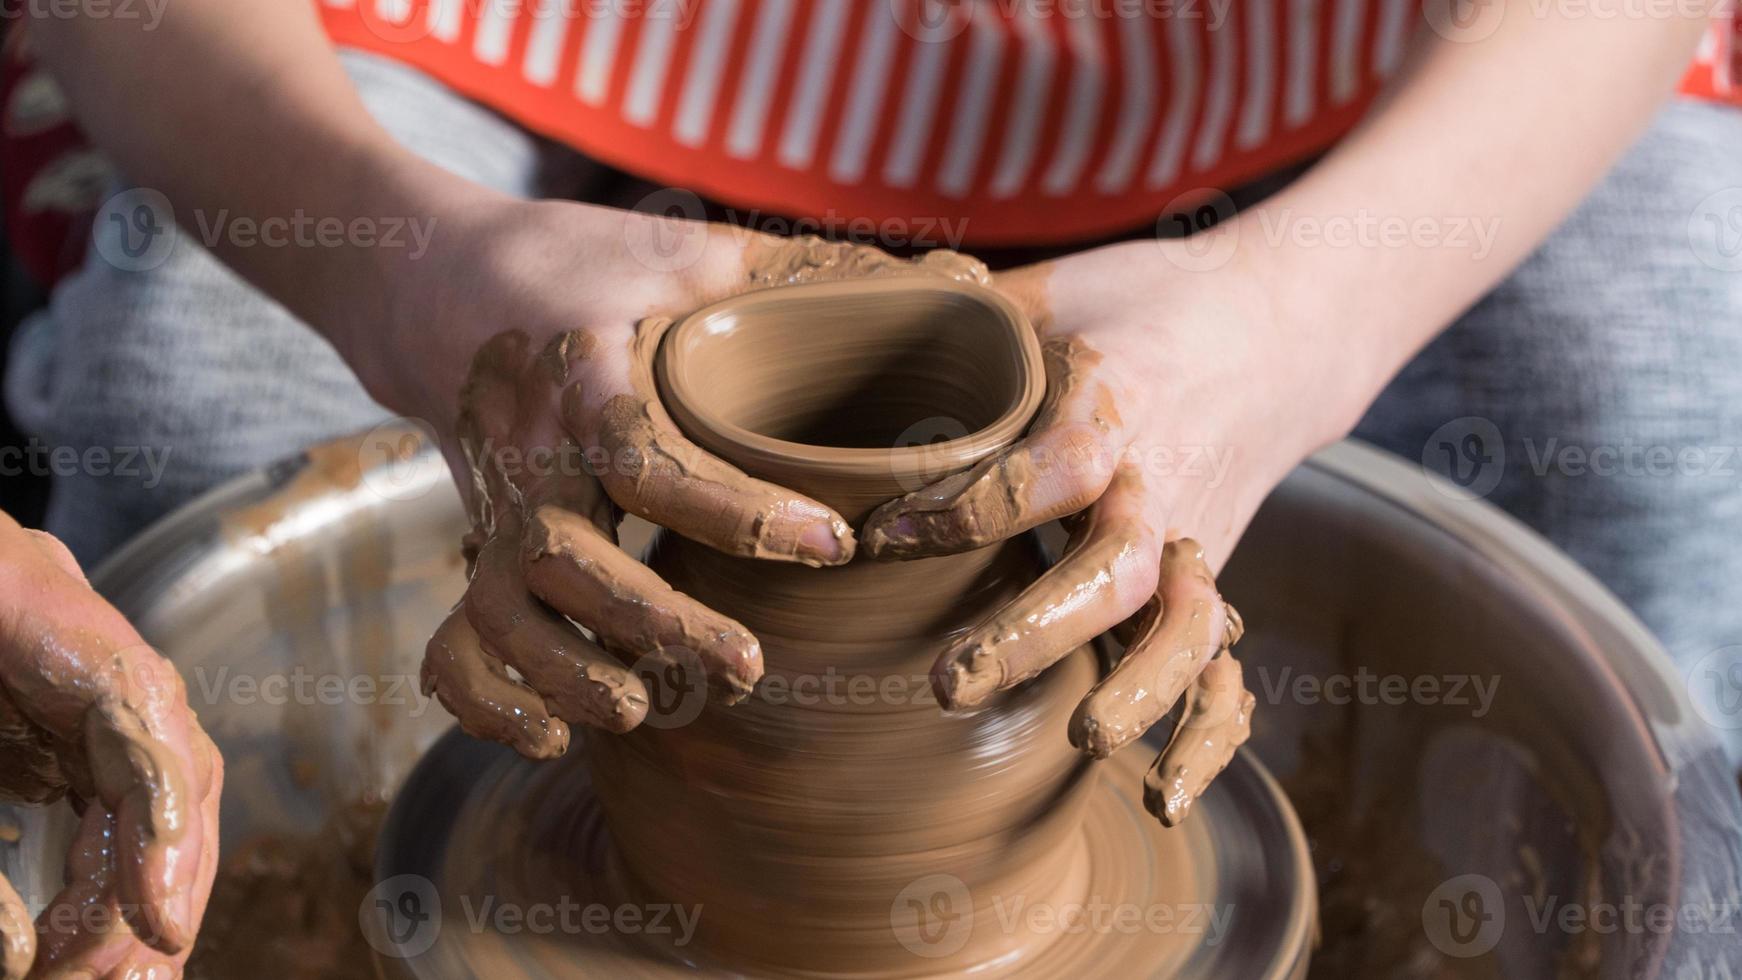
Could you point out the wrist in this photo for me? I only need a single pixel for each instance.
(1334, 351)
(399, 300)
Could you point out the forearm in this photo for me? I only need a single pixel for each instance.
(238, 110)
(1474, 156)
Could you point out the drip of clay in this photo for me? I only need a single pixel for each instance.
(837, 821)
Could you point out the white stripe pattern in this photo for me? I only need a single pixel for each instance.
(798, 143)
(1260, 74)
(1082, 111)
(1303, 62)
(1027, 106)
(756, 88)
(865, 101)
(599, 54)
(1395, 21)
(919, 106)
(544, 48)
(495, 30)
(973, 109)
(1345, 50)
(1170, 143)
(695, 109)
(1219, 103)
(652, 63)
(445, 18)
(1136, 105)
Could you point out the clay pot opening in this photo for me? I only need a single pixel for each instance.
(878, 385)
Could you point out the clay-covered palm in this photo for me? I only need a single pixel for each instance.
(559, 432)
(1158, 424)
(87, 709)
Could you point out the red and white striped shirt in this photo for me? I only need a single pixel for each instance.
(1028, 120)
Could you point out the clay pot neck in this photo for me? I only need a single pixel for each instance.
(854, 392)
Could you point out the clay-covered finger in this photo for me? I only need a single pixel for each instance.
(655, 473)
(1064, 464)
(1178, 633)
(580, 683)
(1216, 722)
(17, 934)
(157, 822)
(475, 688)
(580, 572)
(1107, 573)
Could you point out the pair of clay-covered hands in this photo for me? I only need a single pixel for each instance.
(561, 431)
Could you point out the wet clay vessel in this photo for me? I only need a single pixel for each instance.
(838, 822)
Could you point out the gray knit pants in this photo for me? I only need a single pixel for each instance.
(1597, 395)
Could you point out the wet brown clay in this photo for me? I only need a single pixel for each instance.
(839, 822)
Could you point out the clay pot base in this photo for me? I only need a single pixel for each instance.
(1229, 894)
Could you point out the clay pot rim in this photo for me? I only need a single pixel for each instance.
(738, 443)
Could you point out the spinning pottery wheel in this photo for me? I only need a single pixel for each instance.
(838, 822)
(340, 561)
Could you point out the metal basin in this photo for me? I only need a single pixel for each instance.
(297, 601)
